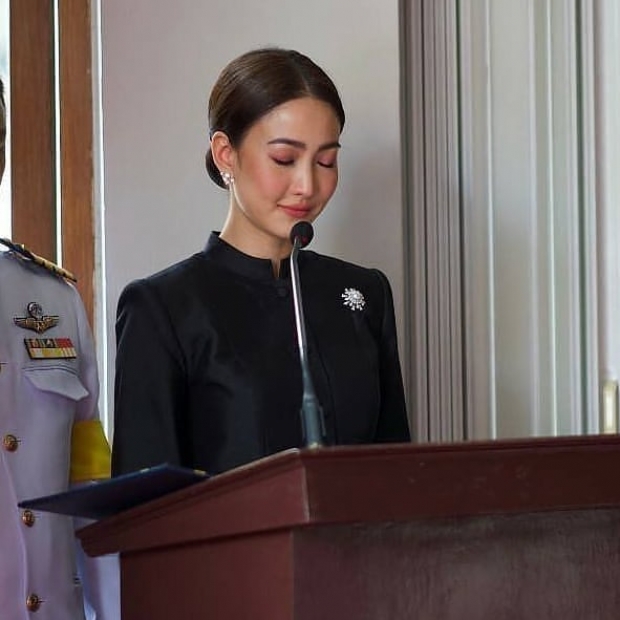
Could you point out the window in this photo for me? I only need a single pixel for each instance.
(52, 173)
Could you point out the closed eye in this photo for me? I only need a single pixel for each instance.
(283, 162)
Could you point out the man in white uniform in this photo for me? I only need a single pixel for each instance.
(50, 438)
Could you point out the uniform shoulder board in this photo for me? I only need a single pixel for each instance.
(21, 250)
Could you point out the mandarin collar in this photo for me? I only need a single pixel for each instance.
(245, 265)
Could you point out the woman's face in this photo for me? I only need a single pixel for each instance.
(285, 168)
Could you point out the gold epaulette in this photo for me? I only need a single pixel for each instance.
(24, 252)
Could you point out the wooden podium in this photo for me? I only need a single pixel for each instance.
(473, 531)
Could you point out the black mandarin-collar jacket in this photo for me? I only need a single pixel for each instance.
(207, 367)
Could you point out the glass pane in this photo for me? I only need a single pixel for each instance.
(5, 186)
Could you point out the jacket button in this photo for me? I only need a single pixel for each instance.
(33, 603)
(10, 443)
(28, 518)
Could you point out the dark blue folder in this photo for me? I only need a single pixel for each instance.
(104, 498)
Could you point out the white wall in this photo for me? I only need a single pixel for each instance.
(159, 61)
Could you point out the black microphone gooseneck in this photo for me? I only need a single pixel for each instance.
(312, 422)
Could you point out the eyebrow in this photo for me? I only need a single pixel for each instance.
(301, 145)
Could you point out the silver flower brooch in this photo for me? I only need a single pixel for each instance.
(353, 299)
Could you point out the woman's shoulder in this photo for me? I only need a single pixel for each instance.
(177, 274)
(172, 286)
(358, 287)
(338, 268)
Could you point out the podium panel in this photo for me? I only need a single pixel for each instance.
(551, 566)
(482, 531)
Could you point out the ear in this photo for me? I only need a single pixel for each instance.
(223, 152)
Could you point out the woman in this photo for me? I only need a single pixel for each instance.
(207, 372)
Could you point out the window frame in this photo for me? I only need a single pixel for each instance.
(35, 208)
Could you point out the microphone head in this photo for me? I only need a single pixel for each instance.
(302, 231)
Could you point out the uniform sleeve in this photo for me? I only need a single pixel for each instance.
(88, 408)
(90, 451)
(393, 425)
(90, 460)
(150, 386)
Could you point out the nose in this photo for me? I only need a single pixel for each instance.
(304, 182)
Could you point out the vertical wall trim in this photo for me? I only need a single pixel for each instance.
(76, 143)
(414, 243)
(606, 76)
(433, 219)
(454, 227)
(477, 206)
(539, 176)
(587, 16)
(33, 179)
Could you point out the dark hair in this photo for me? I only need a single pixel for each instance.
(2, 93)
(258, 81)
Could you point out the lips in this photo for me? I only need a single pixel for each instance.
(296, 211)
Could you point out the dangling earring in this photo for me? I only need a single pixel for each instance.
(227, 178)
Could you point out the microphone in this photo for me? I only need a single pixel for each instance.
(312, 422)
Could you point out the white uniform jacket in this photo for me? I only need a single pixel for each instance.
(48, 401)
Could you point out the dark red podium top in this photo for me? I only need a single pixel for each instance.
(373, 484)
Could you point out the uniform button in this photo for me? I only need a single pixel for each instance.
(33, 603)
(282, 291)
(28, 518)
(10, 443)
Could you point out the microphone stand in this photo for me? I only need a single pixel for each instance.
(311, 413)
